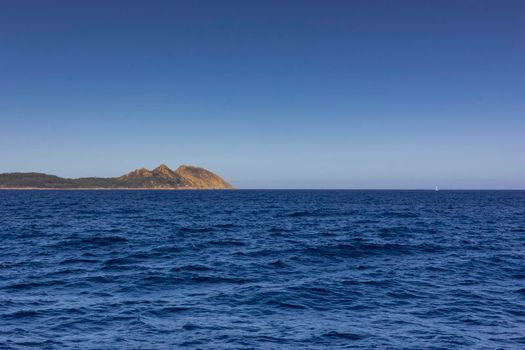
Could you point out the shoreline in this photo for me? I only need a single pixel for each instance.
(113, 188)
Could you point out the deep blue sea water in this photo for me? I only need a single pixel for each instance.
(262, 269)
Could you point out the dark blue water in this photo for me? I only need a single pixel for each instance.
(262, 269)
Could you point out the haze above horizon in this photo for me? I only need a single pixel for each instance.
(268, 94)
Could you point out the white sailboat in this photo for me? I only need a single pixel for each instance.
(437, 189)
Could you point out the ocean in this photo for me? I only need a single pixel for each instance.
(249, 269)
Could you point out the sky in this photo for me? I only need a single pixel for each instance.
(268, 94)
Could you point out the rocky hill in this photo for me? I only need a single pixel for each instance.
(162, 177)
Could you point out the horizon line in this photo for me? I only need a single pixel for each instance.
(255, 189)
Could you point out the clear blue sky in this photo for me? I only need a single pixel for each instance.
(269, 94)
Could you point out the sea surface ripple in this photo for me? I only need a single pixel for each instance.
(262, 269)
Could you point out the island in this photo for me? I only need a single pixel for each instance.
(185, 177)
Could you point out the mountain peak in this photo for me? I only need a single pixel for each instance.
(162, 167)
(199, 177)
(183, 167)
(142, 172)
(164, 170)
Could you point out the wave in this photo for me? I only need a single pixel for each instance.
(261, 269)
(363, 249)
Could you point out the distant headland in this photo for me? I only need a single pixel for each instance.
(186, 177)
